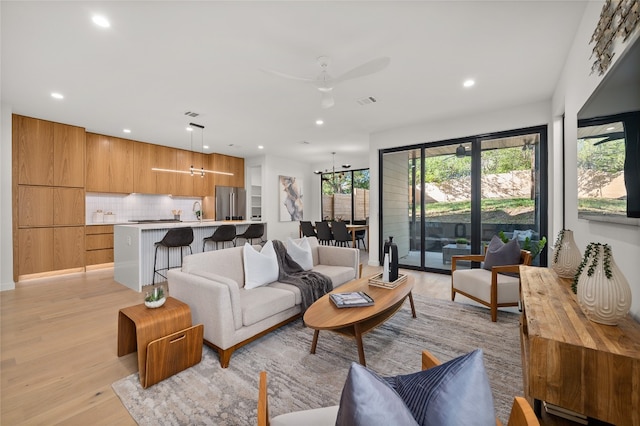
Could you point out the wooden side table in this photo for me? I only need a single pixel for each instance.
(164, 338)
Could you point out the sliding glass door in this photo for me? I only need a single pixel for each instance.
(450, 197)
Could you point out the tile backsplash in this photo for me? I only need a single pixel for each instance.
(139, 206)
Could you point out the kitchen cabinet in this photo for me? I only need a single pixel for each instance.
(35, 206)
(48, 193)
(227, 163)
(147, 156)
(98, 244)
(144, 179)
(33, 150)
(68, 247)
(166, 182)
(109, 164)
(35, 251)
(68, 206)
(68, 155)
(49, 206)
(187, 185)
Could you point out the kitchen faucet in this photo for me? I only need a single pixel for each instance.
(198, 211)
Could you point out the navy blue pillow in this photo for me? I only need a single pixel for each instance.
(454, 393)
(499, 253)
(367, 400)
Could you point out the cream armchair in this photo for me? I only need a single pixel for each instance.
(490, 288)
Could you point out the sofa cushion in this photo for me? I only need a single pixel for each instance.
(499, 253)
(300, 253)
(325, 416)
(368, 400)
(227, 262)
(260, 267)
(263, 302)
(477, 282)
(454, 393)
(314, 244)
(338, 274)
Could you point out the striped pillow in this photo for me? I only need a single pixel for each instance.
(454, 393)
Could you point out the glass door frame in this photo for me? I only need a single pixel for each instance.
(476, 228)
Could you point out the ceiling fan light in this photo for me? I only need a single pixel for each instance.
(461, 151)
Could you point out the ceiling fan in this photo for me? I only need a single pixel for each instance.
(325, 83)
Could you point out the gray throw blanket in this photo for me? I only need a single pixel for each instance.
(312, 285)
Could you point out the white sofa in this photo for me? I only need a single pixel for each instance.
(212, 284)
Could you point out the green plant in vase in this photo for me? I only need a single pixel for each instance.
(462, 241)
(155, 298)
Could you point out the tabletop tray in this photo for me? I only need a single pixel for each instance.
(376, 281)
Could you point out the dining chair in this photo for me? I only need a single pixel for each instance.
(307, 229)
(325, 236)
(341, 234)
(360, 235)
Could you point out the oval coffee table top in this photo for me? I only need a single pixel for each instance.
(324, 315)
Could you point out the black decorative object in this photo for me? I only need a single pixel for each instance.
(392, 249)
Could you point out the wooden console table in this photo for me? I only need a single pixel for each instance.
(164, 338)
(572, 362)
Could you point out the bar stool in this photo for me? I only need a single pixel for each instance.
(255, 230)
(174, 238)
(222, 234)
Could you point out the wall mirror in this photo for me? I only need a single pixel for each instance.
(609, 145)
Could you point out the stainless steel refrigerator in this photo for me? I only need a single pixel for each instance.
(231, 203)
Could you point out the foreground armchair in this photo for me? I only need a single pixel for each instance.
(489, 285)
(521, 412)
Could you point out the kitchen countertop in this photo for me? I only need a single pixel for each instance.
(193, 224)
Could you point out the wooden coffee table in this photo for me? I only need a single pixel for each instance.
(354, 322)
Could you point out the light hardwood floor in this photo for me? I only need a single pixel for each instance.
(59, 347)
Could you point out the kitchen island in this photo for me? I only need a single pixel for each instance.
(134, 247)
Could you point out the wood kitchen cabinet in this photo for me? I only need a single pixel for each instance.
(68, 155)
(166, 182)
(68, 247)
(227, 163)
(147, 156)
(48, 196)
(109, 164)
(98, 244)
(186, 184)
(33, 150)
(68, 206)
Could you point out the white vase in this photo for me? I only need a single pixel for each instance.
(605, 300)
(566, 256)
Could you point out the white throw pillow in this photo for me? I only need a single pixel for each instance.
(300, 253)
(260, 267)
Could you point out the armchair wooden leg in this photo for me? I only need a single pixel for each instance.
(494, 313)
(453, 294)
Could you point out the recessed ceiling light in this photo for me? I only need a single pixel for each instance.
(126, 130)
(189, 129)
(468, 83)
(260, 147)
(101, 21)
(319, 122)
(205, 146)
(57, 95)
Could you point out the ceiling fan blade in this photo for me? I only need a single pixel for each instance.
(327, 99)
(373, 66)
(287, 76)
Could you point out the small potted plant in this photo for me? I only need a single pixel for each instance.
(461, 242)
(155, 298)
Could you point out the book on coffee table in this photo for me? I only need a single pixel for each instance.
(351, 299)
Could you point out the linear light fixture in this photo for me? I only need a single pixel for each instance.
(192, 169)
(156, 169)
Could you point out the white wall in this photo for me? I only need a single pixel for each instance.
(574, 88)
(6, 216)
(272, 168)
(492, 121)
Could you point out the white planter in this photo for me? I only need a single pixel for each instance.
(605, 300)
(566, 256)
